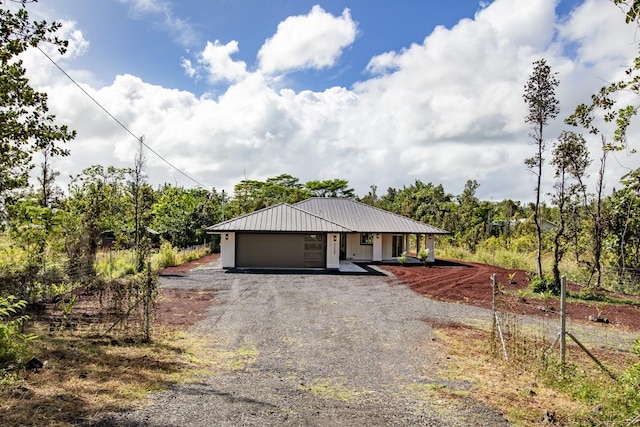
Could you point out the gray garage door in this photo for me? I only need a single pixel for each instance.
(268, 250)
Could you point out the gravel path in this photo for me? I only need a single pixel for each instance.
(316, 350)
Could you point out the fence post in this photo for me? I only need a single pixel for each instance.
(496, 320)
(563, 320)
(147, 306)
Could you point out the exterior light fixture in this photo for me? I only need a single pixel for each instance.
(226, 236)
(335, 238)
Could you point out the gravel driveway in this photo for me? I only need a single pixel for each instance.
(315, 350)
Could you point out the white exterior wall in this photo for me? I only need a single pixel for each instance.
(333, 250)
(228, 249)
(357, 251)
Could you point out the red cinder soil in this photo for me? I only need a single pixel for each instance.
(182, 308)
(470, 283)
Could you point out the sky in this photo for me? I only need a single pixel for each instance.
(376, 92)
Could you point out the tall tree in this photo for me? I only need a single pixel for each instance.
(543, 106)
(570, 161)
(141, 199)
(623, 208)
(331, 188)
(26, 126)
(471, 216)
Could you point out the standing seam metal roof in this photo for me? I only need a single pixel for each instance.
(280, 218)
(363, 218)
(325, 215)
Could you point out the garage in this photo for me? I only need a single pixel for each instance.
(281, 250)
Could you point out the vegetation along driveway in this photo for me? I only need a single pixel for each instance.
(315, 350)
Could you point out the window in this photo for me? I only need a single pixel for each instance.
(366, 238)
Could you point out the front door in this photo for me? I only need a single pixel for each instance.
(343, 246)
(397, 246)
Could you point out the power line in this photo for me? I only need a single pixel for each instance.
(139, 139)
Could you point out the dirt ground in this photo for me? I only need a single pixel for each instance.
(181, 309)
(451, 281)
(470, 283)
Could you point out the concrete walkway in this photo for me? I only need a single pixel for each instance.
(349, 267)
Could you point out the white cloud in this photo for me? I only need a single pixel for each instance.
(189, 69)
(216, 58)
(312, 41)
(444, 110)
(179, 28)
(599, 34)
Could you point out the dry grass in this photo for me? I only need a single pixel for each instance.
(85, 377)
(519, 389)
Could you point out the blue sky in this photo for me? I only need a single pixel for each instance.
(376, 92)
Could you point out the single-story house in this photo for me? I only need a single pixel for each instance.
(318, 233)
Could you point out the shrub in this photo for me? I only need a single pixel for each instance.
(13, 343)
(424, 256)
(402, 258)
(541, 285)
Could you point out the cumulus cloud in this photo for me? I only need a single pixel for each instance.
(219, 66)
(312, 41)
(444, 110)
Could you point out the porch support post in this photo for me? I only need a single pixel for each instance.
(377, 247)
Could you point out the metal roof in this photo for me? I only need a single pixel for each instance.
(364, 218)
(279, 218)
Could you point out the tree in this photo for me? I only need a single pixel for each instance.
(570, 161)
(96, 203)
(623, 208)
(330, 188)
(471, 216)
(141, 199)
(543, 106)
(180, 215)
(26, 126)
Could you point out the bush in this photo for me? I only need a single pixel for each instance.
(424, 256)
(13, 343)
(540, 285)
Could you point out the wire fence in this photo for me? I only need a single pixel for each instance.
(66, 295)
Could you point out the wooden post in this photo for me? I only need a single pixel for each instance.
(496, 320)
(563, 320)
(147, 306)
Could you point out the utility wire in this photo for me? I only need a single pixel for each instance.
(139, 139)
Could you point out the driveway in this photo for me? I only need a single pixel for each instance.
(315, 350)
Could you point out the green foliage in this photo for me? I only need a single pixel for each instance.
(26, 126)
(330, 188)
(119, 263)
(13, 343)
(402, 259)
(423, 256)
(168, 256)
(542, 286)
(617, 401)
(180, 215)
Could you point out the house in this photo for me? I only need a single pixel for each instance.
(318, 233)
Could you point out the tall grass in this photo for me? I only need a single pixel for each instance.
(512, 259)
(119, 263)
